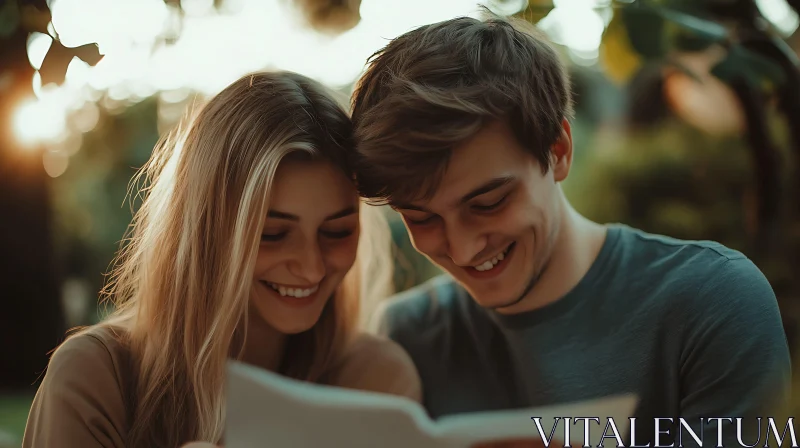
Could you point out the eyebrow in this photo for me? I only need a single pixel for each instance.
(290, 217)
(483, 189)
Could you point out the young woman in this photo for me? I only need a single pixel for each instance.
(246, 246)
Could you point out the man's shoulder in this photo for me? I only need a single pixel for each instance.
(717, 313)
(643, 243)
(423, 307)
(682, 264)
(707, 274)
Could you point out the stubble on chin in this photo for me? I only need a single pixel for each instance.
(532, 281)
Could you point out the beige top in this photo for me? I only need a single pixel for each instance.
(80, 402)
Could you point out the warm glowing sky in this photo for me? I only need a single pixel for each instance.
(214, 49)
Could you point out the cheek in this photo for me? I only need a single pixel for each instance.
(425, 238)
(529, 212)
(518, 220)
(341, 255)
(266, 259)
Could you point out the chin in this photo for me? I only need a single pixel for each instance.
(292, 323)
(293, 329)
(297, 321)
(494, 300)
(498, 294)
(500, 286)
(285, 319)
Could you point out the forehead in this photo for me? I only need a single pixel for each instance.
(493, 152)
(311, 188)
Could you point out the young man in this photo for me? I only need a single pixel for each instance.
(462, 127)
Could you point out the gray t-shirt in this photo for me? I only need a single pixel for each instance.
(692, 327)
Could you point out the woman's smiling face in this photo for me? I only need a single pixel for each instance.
(308, 244)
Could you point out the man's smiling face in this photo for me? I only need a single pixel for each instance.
(493, 221)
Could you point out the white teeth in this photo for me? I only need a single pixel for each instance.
(485, 266)
(293, 292)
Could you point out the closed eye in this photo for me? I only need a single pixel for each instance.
(272, 237)
(419, 222)
(490, 207)
(336, 235)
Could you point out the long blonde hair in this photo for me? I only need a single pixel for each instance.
(181, 283)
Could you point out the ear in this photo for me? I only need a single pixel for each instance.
(561, 152)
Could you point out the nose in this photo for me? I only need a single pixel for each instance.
(463, 243)
(308, 263)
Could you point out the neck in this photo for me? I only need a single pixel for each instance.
(263, 345)
(576, 246)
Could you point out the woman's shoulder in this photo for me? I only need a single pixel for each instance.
(89, 349)
(377, 349)
(378, 364)
(94, 357)
(82, 393)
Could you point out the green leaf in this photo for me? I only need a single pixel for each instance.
(741, 64)
(655, 29)
(699, 28)
(686, 42)
(58, 57)
(645, 30)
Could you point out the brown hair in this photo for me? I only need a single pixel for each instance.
(434, 87)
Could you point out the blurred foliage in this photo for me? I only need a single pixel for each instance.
(13, 416)
(411, 267)
(673, 178)
(91, 199)
(642, 31)
(676, 180)
(617, 53)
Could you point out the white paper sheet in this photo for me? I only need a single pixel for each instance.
(267, 410)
